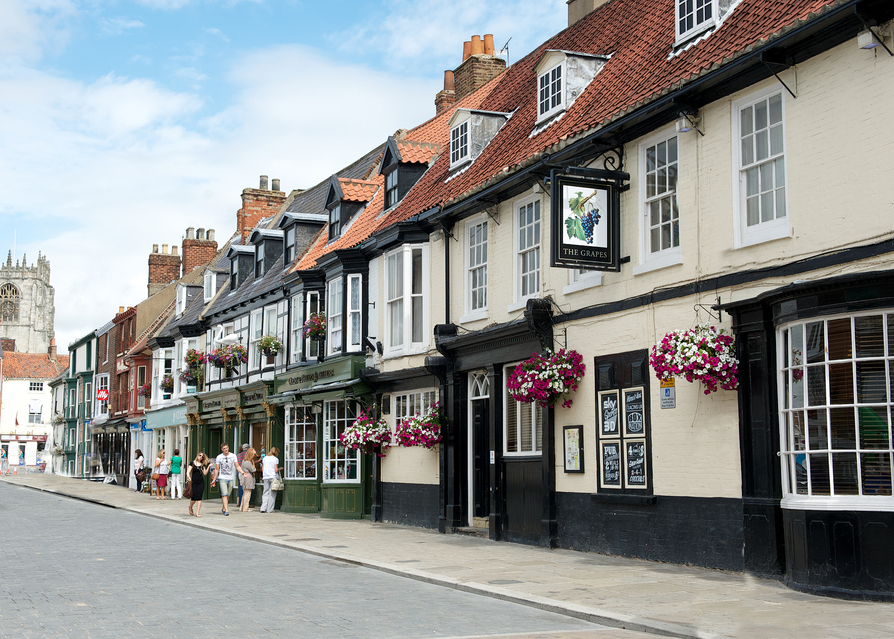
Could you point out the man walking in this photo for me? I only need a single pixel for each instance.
(240, 457)
(225, 470)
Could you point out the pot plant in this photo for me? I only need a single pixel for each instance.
(367, 433)
(315, 326)
(701, 354)
(194, 373)
(547, 378)
(227, 357)
(422, 429)
(269, 346)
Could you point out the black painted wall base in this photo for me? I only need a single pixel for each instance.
(410, 504)
(693, 531)
(840, 554)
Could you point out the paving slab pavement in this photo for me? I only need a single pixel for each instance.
(656, 598)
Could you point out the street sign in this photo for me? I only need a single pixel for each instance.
(102, 394)
(668, 393)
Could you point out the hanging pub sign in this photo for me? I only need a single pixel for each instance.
(585, 223)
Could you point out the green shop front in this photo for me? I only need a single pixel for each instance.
(321, 475)
(234, 416)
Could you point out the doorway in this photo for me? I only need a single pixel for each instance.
(478, 484)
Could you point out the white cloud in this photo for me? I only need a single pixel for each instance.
(117, 26)
(28, 26)
(217, 32)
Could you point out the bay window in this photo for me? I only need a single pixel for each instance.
(406, 315)
(335, 320)
(522, 424)
(355, 316)
(301, 443)
(339, 463)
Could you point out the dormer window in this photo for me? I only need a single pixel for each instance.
(210, 287)
(335, 221)
(404, 161)
(347, 197)
(234, 275)
(550, 94)
(290, 244)
(561, 77)
(181, 299)
(391, 194)
(259, 259)
(459, 143)
(694, 17)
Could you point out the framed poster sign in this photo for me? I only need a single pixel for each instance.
(585, 223)
(574, 449)
(609, 412)
(635, 464)
(634, 415)
(610, 464)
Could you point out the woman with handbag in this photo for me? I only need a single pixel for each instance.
(138, 472)
(160, 475)
(270, 468)
(248, 480)
(197, 471)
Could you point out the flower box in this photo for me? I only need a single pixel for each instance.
(367, 434)
(547, 378)
(227, 357)
(423, 429)
(269, 346)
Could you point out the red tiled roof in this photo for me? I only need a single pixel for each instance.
(357, 190)
(420, 152)
(33, 365)
(640, 36)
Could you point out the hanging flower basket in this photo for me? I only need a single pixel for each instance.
(315, 326)
(194, 373)
(423, 429)
(191, 377)
(367, 434)
(703, 354)
(547, 378)
(269, 345)
(227, 357)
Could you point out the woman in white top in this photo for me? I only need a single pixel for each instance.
(138, 468)
(161, 467)
(270, 469)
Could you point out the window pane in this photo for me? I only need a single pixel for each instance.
(818, 438)
(527, 429)
(844, 469)
(819, 474)
(871, 383)
(816, 344)
(840, 339)
(511, 433)
(841, 383)
(776, 140)
(869, 336)
(844, 435)
(873, 427)
(417, 319)
(776, 109)
(816, 385)
(397, 323)
(746, 119)
(762, 145)
(876, 469)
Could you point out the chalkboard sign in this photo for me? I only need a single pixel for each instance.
(609, 410)
(611, 464)
(634, 422)
(636, 464)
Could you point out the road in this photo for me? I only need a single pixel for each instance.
(76, 569)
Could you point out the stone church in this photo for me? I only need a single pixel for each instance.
(26, 305)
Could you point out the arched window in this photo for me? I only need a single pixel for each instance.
(9, 303)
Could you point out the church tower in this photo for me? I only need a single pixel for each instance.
(26, 305)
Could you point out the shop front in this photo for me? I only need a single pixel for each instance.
(170, 429)
(111, 447)
(321, 475)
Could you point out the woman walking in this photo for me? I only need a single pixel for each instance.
(176, 479)
(248, 480)
(138, 471)
(270, 467)
(197, 471)
(161, 468)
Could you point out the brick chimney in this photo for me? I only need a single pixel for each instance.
(197, 249)
(256, 205)
(447, 97)
(579, 9)
(479, 66)
(51, 351)
(164, 268)
(8, 344)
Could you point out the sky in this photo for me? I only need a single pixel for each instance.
(123, 123)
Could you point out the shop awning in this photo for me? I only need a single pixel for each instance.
(336, 390)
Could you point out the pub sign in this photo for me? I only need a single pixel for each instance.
(585, 223)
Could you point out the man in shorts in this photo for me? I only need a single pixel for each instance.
(225, 469)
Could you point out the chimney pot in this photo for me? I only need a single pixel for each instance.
(448, 81)
(210, 235)
(477, 45)
(489, 43)
(174, 250)
(276, 184)
(200, 234)
(155, 248)
(164, 249)
(467, 49)
(263, 186)
(191, 233)
(120, 309)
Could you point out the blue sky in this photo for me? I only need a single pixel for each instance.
(124, 123)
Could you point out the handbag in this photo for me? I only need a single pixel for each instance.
(141, 475)
(277, 483)
(187, 490)
(154, 476)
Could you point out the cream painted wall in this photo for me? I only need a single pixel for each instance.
(16, 401)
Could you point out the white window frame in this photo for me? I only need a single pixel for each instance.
(296, 322)
(102, 407)
(355, 311)
(460, 143)
(471, 265)
(518, 255)
(406, 405)
(88, 400)
(289, 244)
(313, 302)
(788, 386)
(553, 82)
(649, 260)
(332, 428)
(35, 387)
(257, 332)
(181, 299)
(536, 413)
(404, 297)
(762, 231)
(210, 285)
(299, 451)
(392, 192)
(335, 319)
(693, 7)
(581, 279)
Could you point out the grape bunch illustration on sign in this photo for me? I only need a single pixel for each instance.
(584, 223)
(584, 216)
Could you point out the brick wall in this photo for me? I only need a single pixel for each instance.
(164, 268)
(197, 253)
(475, 72)
(256, 205)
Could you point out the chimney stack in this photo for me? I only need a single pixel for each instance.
(197, 250)
(164, 268)
(579, 9)
(276, 184)
(51, 351)
(479, 66)
(256, 205)
(263, 186)
(447, 97)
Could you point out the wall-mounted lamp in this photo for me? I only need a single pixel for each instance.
(871, 38)
(688, 122)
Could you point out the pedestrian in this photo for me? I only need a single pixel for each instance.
(197, 471)
(248, 480)
(270, 468)
(138, 471)
(4, 462)
(240, 457)
(176, 479)
(225, 470)
(160, 469)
